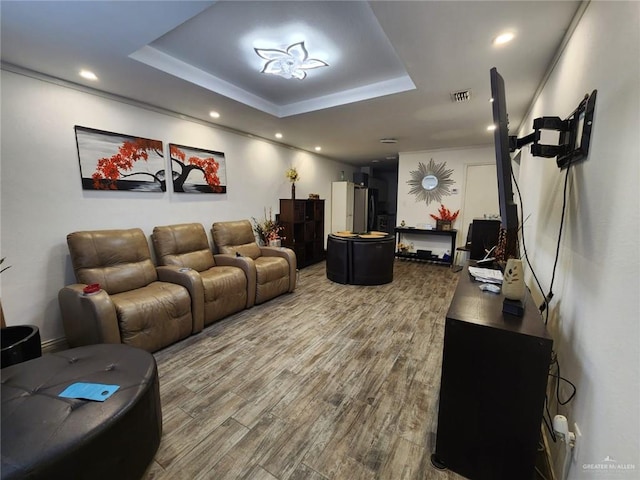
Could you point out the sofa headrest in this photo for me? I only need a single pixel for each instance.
(119, 260)
(235, 237)
(185, 245)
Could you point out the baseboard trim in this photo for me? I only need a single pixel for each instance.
(54, 345)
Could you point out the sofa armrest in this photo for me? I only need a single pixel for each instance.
(290, 256)
(192, 281)
(248, 267)
(88, 318)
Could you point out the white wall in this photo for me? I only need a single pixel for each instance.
(414, 212)
(595, 312)
(42, 199)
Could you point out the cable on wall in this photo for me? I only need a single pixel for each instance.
(549, 295)
(524, 249)
(547, 419)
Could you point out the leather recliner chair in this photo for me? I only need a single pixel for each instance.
(136, 305)
(226, 282)
(274, 267)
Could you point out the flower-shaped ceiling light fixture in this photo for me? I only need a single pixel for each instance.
(289, 63)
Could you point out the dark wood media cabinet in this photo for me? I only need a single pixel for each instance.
(492, 387)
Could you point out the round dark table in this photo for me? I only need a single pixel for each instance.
(360, 259)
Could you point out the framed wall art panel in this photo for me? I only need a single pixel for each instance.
(114, 161)
(196, 170)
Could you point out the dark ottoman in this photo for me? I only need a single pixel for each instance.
(46, 436)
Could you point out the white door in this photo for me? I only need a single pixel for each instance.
(480, 196)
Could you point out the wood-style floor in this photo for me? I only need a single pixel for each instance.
(330, 382)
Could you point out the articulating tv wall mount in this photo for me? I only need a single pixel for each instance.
(575, 134)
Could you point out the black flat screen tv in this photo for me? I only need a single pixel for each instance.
(508, 209)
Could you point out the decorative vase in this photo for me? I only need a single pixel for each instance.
(513, 284)
(444, 225)
(293, 191)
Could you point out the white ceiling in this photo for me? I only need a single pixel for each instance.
(392, 65)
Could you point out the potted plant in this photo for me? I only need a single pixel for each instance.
(268, 230)
(445, 218)
(292, 175)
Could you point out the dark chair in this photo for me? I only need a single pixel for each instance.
(484, 237)
(465, 249)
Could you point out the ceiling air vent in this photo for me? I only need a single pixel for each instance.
(461, 96)
(388, 140)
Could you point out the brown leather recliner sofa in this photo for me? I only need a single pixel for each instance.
(137, 304)
(274, 268)
(152, 307)
(225, 284)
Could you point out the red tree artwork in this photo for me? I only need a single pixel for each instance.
(110, 170)
(138, 164)
(209, 166)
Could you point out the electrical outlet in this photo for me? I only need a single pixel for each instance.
(578, 442)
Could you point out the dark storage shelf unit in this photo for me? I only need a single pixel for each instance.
(414, 256)
(492, 388)
(303, 222)
(401, 231)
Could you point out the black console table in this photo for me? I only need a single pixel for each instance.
(400, 231)
(492, 388)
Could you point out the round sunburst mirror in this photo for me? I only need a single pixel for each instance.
(430, 182)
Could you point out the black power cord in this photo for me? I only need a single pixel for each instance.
(549, 295)
(548, 422)
(559, 378)
(524, 251)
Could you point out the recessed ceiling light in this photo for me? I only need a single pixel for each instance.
(278, 135)
(491, 128)
(214, 114)
(318, 149)
(503, 38)
(388, 140)
(89, 75)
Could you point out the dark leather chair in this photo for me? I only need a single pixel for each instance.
(136, 305)
(224, 282)
(274, 268)
(464, 249)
